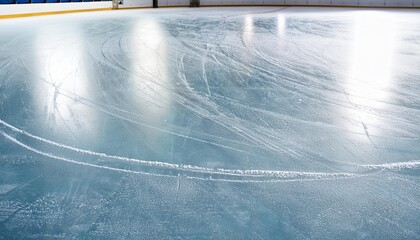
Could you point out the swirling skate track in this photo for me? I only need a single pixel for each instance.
(121, 164)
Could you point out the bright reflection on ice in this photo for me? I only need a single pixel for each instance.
(371, 62)
(248, 31)
(151, 85)
(372, 59)
(281, 25)
(59, 62)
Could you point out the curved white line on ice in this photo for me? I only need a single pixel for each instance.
(283, 178)
(220, 173)
(393, 166)
(187, 168)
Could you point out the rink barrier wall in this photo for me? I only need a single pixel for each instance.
(315, 6)
(130, 4)
(281, 3)
(313, 3)
(172, 3)
(26, 10)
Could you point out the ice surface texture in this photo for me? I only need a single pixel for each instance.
(225, 123)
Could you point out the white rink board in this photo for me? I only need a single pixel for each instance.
(135, 3)
(398, 3)
(54, 7)
(355, 3)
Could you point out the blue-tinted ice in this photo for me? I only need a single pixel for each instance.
(225, 123)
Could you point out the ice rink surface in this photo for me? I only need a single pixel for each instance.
(224, 123)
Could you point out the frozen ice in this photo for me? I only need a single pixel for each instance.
(225, 123)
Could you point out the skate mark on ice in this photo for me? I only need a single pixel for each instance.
(175, 170)
(156, 168)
